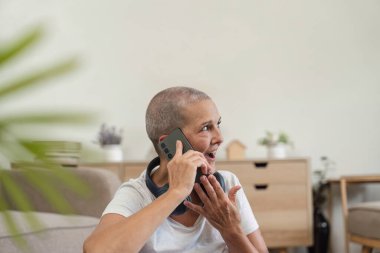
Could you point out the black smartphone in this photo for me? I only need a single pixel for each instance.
(168, 145)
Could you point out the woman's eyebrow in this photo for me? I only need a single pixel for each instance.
(206, 123)
(210, 121)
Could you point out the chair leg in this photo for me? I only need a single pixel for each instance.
(366, 249)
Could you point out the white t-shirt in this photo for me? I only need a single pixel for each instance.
(171, 236)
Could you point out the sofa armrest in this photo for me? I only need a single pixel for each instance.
(102, 185)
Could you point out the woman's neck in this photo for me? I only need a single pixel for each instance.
(160, 176)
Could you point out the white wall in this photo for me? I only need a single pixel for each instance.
(311, 69)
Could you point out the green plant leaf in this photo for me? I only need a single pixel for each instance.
(47, 118)
(37, 77)
(68, 178)
(20, 45)
(22, 203)
(48, 184)
(283, 138)
(12, 227)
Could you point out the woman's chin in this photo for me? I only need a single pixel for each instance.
(212, 166)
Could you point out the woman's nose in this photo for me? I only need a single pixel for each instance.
(218, 137)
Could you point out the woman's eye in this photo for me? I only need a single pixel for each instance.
(205, 128)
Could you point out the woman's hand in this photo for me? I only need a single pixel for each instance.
(182, 169)
(218, 208)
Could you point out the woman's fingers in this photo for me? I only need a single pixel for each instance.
(232, 193)
(195, 208)
(216, 186)
(178, 148)
(209, 188)
(201, 194)
(201, 161)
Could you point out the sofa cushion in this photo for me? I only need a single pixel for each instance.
(364, 219)
(59, 233)
(102, 185)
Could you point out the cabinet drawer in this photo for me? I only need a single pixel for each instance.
(271, 197)
(234, 165)
(276, 171)
(282, 172)
(286, 220)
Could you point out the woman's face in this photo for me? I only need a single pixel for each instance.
(202, 129)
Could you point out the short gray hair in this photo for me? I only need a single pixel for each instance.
(164, 112)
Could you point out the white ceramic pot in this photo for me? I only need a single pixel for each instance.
(277, 151)
(113, 153)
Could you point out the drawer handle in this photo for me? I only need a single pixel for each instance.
(260, 165)
(261, 186)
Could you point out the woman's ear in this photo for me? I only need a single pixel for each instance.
(159, 151)
(162, 137)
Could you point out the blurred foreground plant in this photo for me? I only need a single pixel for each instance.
(15, 146)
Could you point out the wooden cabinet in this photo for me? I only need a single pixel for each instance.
(125, 170)
(279, 192)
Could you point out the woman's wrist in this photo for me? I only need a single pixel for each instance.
(232, 233)
(237, 240)
(177, 194)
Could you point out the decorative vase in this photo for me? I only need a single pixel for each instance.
(113, 153)
(277, 151)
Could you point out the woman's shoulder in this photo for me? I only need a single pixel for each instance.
(135, 184)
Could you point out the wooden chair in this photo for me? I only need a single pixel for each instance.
(361, 221)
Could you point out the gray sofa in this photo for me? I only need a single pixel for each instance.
(59, 233)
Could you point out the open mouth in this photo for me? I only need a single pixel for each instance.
(210, 155)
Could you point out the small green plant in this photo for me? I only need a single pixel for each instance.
(109, 135)
(272, 139)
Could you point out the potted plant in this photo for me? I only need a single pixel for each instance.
(110, 139)
(275, 143)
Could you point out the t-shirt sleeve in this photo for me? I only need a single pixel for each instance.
(127, 201)
(248, 220)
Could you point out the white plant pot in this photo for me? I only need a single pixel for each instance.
(113, 153)
(277, 151)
